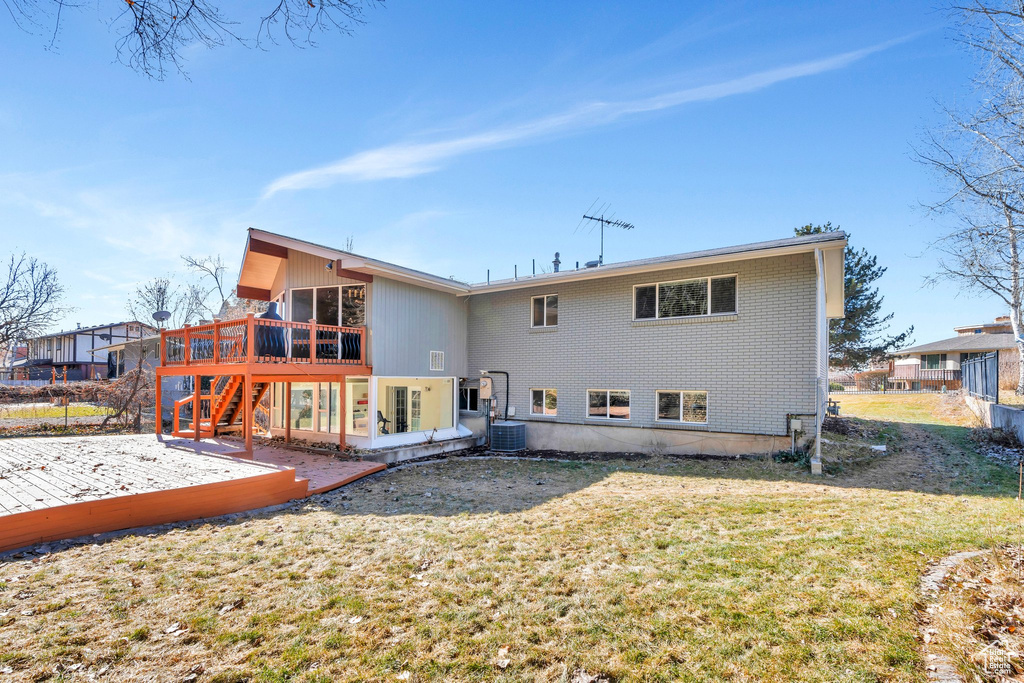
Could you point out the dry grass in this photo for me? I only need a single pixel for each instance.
(979, 617)
(34, 412)
(1009, 397)
(935, 409)
(659, 569)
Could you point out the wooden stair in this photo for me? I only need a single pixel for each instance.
(226, 415)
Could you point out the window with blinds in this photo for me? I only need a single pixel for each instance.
(685, 298)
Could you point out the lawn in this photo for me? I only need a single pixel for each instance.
(655, 569)
(39, 412)
(930, 409)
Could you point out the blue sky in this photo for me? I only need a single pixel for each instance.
(457, 137)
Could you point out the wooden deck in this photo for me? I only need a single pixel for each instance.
(55, 488)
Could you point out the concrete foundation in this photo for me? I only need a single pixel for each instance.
(600, 438)
(998, 416)
(391, 456)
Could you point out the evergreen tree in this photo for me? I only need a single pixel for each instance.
(860, 337)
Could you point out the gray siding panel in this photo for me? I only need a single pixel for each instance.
(408, 322)
(757, 366)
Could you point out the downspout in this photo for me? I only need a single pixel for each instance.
(821, 338)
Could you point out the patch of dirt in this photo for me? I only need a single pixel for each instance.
(998, 445)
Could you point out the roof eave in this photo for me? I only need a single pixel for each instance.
(615, 271)
(358, 263)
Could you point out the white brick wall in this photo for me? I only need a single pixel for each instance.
(757, 366)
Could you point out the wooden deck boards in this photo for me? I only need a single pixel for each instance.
(52, 488)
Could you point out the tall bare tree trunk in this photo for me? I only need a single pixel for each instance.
(1015, 301)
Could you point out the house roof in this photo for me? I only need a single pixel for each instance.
(982, 326)
(126, 342)
(964, 343)
(80, 330)
(790, 245)
(259, 264)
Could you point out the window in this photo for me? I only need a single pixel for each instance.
(357, 406)
(328, 408)
(690, 407)
(685, 298)
(302, 305)
(611, 405)
(469, 398)
(414, 404)
(436, 361)
(344, 305)
(544, 402)
(353, 305)
(933, 361)
(545, 310)
(327, 306)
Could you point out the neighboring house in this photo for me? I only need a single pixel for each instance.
(1001, 325)
(937, 364)
(715, 351)
(70, 353)
(127, 355)
(10, 359)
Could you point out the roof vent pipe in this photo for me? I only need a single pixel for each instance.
(557, 262)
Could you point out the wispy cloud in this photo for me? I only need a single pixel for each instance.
(404, 160)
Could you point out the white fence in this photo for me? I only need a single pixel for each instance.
(24, 382)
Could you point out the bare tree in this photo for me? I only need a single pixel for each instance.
(980, 159)
(30, 300)
(218, 297)
(183, 300)
(213, 278)
(153, 34)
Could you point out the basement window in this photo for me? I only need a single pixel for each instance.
(469, 398)
(685, 298)
(607, 404)
(545, 310)
(544, 402)
(688, 407)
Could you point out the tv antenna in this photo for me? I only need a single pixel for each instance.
(602, 221)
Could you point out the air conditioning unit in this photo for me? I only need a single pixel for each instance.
(508, 437)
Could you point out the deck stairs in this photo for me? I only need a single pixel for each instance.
(225, 408)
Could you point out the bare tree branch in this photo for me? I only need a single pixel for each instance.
(153, 34)
(30, 300)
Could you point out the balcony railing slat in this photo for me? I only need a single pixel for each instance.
(259, 340)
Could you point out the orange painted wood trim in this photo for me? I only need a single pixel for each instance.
(351, 274)
(272, 372)
(145, 509)
(267, 248)
(158, 409)
(288, 412)
(348, 480)
(255, 293)
(196, 407)
(247, 419)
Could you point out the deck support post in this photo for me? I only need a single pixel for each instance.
(342, 416)
(287, 412)
(195, 406)
(247, 414)
(159, 413)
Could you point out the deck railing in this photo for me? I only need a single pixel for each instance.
(259, 340)
(916, 372)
